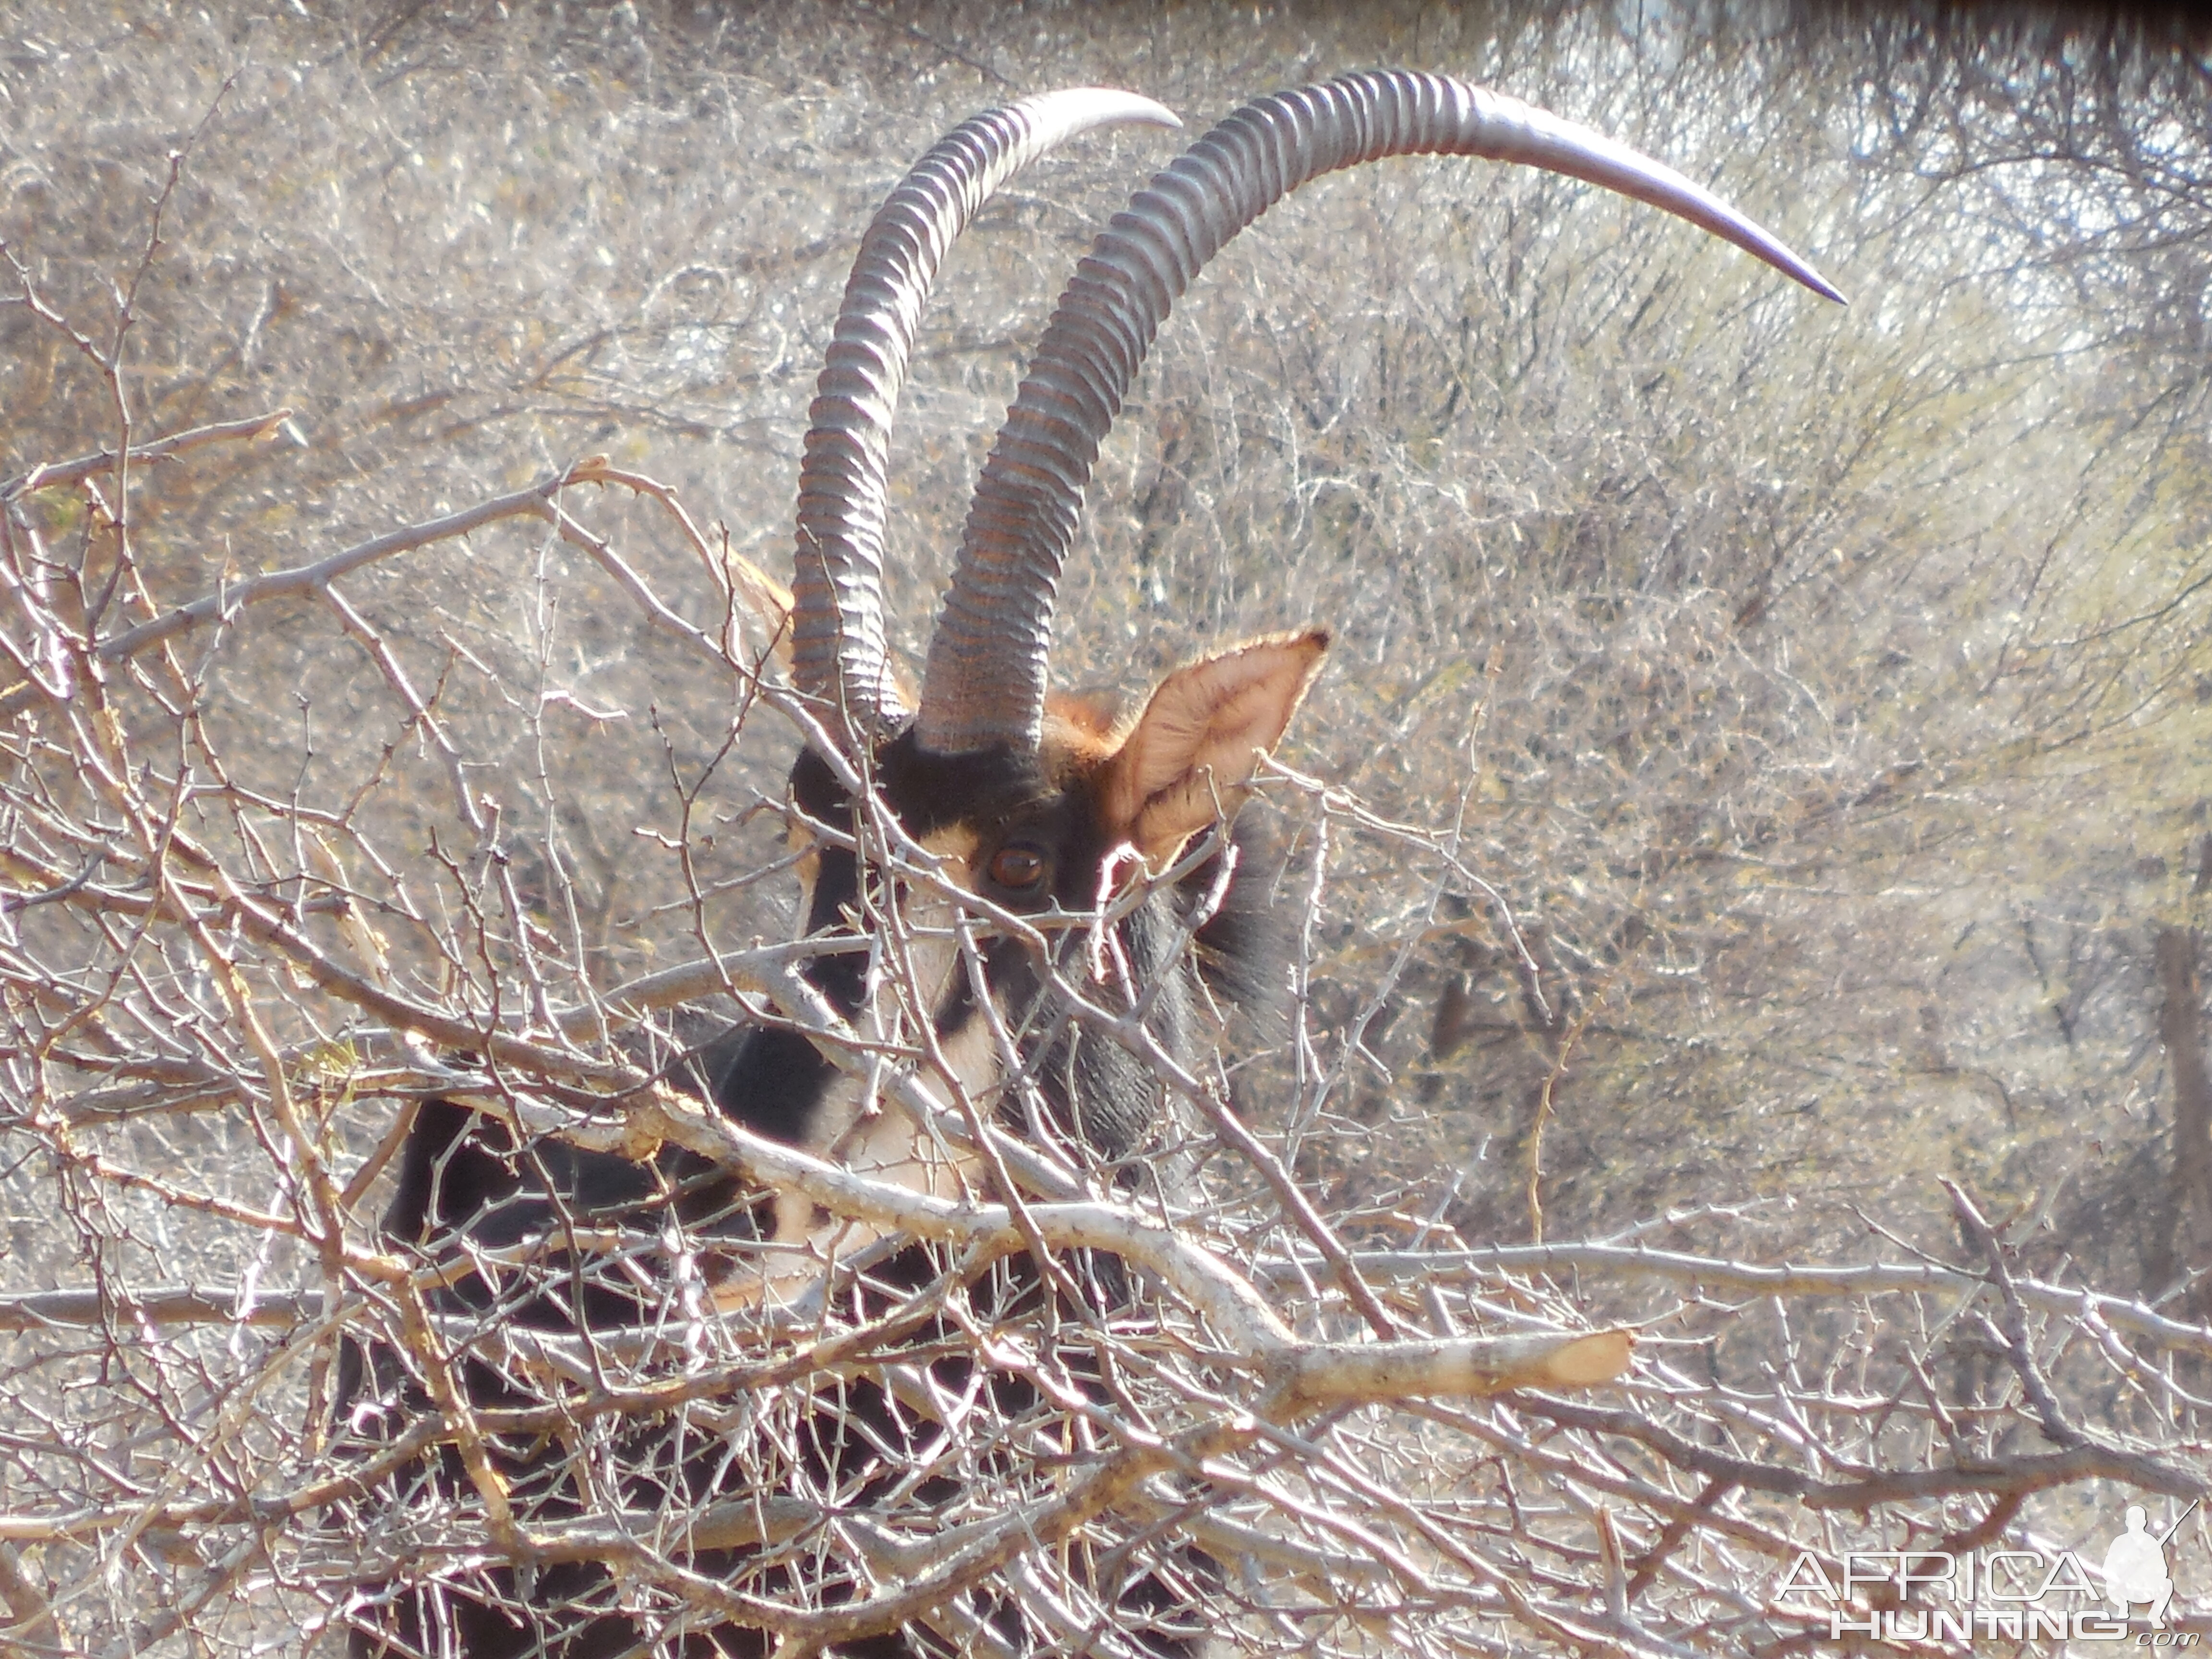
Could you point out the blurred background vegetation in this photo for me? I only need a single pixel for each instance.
(1780, 730)
(1824, 692)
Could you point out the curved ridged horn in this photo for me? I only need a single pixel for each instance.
(838, 649)
(985, 683)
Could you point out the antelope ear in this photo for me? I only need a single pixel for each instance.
(1187, 759)
(768, 600)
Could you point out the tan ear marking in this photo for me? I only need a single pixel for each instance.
(767, 600)
(1191, 753)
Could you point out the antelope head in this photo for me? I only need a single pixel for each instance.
(1034, 803)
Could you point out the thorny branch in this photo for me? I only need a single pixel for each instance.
(1642, 840)
(1300, 1373)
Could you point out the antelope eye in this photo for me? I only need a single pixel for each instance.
(1019, 868)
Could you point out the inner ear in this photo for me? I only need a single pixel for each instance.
(767, 600)
(1191, 754)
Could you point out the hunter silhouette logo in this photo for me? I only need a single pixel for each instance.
(2010, 1595)
(2135, 1566)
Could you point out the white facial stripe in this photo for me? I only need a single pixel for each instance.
(879, 1141)
(883, 1144)
(930, 946)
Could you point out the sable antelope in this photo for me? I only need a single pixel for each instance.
(1038, 805)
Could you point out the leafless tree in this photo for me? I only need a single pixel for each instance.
(1766, 790)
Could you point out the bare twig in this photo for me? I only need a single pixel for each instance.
(54, 475)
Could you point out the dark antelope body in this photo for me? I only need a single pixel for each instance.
(1039, 805)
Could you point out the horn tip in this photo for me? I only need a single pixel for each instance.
(1820, 284)
(1096, 106)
